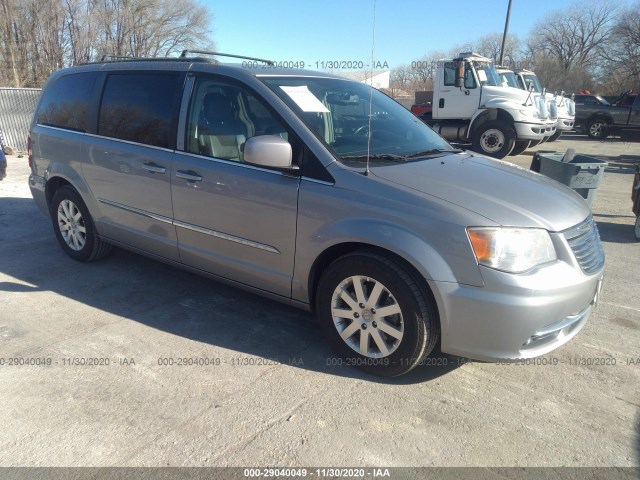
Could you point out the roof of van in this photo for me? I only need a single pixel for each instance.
(254, 68)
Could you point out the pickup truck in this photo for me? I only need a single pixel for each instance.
(594, 114)
(626, 125)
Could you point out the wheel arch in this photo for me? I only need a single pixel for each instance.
(487, 115)
(599, 116)
(334, 252)
(53, 185)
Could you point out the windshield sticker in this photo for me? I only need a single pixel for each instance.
(306, 100)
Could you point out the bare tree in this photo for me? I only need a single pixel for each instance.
(40, 37)
(575, 37)
(491, 44)
(623, 53)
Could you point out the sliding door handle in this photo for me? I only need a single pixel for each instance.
(153, 167)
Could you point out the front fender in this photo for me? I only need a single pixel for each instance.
(373, 233)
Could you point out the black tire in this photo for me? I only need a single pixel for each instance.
(597, 128)
(417, 315)
(87, 245)
(520, 146)
(555, 136)
(494, 138)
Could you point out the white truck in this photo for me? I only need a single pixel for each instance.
(526, 79)
(470, 105)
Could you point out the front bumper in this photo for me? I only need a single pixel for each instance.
(516, 316)
(565, 124)
(534, 131)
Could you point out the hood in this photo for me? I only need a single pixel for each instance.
(501, 192)
(513, 94)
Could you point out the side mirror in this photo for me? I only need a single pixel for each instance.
(460, 73)
(268, 151)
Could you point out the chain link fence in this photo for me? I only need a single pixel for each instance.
(16, 110)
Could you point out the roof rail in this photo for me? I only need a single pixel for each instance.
(204, 52)
(109, 56)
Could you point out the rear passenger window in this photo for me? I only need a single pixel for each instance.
(66, 103)
(141, 108)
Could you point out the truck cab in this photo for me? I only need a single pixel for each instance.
(470, 105)
(629, 128)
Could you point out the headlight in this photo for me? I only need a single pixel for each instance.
(510, 249)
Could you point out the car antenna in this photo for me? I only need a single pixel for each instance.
(373, 43)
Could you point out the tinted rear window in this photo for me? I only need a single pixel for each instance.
(141, 107)
(65, 104)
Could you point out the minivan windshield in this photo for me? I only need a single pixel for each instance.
(344, 114)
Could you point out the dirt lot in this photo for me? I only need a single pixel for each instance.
(270, 394)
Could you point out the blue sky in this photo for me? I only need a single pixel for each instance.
(322, 30)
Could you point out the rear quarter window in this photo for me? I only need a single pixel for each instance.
(141, 107)
(66, 103)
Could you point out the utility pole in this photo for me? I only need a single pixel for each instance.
(504, 36)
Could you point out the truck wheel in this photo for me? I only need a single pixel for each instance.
(521, 146)
(597, 128)
(376, 314)
(555, 136)
(494, 138)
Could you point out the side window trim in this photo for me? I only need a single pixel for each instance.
(181, 132)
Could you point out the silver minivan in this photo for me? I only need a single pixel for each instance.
(320, 192)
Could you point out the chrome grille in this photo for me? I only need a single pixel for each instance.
(584, 240)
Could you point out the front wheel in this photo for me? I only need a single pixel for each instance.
(74, 227)
(597, 129)
(494, 138)
(520, 146)
(375, 314)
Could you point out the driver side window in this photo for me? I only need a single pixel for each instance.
(223, 116)
(469, 79)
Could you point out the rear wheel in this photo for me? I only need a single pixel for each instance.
(597, 128)
(520, 146)
(494, 138)
(74, 227)
(375, 314)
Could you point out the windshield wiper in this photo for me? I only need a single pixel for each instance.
(433, 151)
(385, 156)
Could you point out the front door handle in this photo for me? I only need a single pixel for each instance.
(189, 175)
(153, 167)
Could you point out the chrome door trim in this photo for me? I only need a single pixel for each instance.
(226, 236)
(195, 228)
(144, 213)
